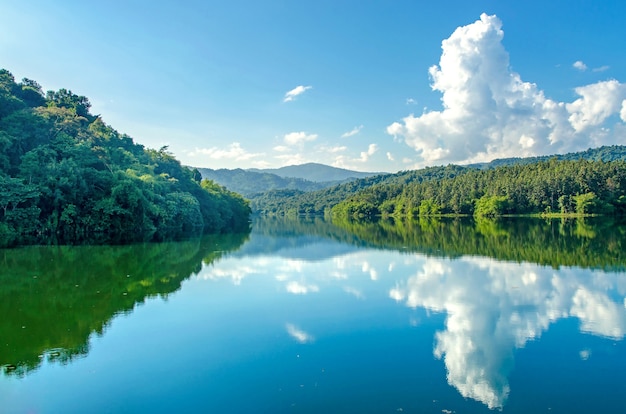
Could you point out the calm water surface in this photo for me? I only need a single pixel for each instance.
(306, 317)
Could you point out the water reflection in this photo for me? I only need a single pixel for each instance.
(492, 307)
(53, 298)
(359, 311)
(495, 307)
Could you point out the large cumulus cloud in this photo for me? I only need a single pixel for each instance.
(489, 112)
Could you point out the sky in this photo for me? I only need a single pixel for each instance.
(364, 85)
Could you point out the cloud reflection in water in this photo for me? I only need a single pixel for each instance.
(494, 307)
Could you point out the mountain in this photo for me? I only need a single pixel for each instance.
(248, 183)
(301, 178)
(317, 172)
(407, 189)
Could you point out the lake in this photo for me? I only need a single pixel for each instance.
(302, 316)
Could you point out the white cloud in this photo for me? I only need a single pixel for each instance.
(580, 65)
(298, 334)
(298, 90)
(298, 288)
(489, 112)
(371, 150)
(390, 156)
(281, 148)
(597, 102)
(622, 113)
(294, 138)
(354, 292)
(494, 307)
(601, 68)
(353, 132)
(411, 101)
(335, 149)
(233, 152)
(344, 161)
(292, 159)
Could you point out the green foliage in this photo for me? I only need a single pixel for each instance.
(570, 187)
(66, 176)
(530, 186)
(58, 297)
(491, 206)
(596, 242)
(428, 207)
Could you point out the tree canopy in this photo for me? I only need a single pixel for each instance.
(68, 177)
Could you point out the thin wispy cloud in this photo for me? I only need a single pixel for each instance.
(295, 92)
(353, 132)
(601, 68)
(295, 138)
(298, 288)
(233, 151)
(291, 159)
(298, 334)
(334, 150)
(490, 112)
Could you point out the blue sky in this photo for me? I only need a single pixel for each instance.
(365, 85)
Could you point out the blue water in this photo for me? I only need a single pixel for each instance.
(318, 325)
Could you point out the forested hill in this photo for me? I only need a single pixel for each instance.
(250, 183)
(587, 182)
(317, 172)
(606, 153)
(301, 178)
(68, 177)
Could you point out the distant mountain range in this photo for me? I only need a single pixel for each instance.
(311, 177)
(304, 177)
(316, 172)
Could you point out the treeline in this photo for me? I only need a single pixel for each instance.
(597, 242)
(606, 153)
(251, 183)
(578, 187)
(295, 203)
(67, 176)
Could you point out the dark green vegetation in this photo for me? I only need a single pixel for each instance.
(589, 182)
(67, 177)
(53, 298)
(579, 187)
(593, 242)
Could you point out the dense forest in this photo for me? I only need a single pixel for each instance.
(584, 183)
(67, 177)
(579, 187)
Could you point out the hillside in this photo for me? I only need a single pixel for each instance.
(317, 172)
(250, 183)
(394, 193)
(67, 177)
